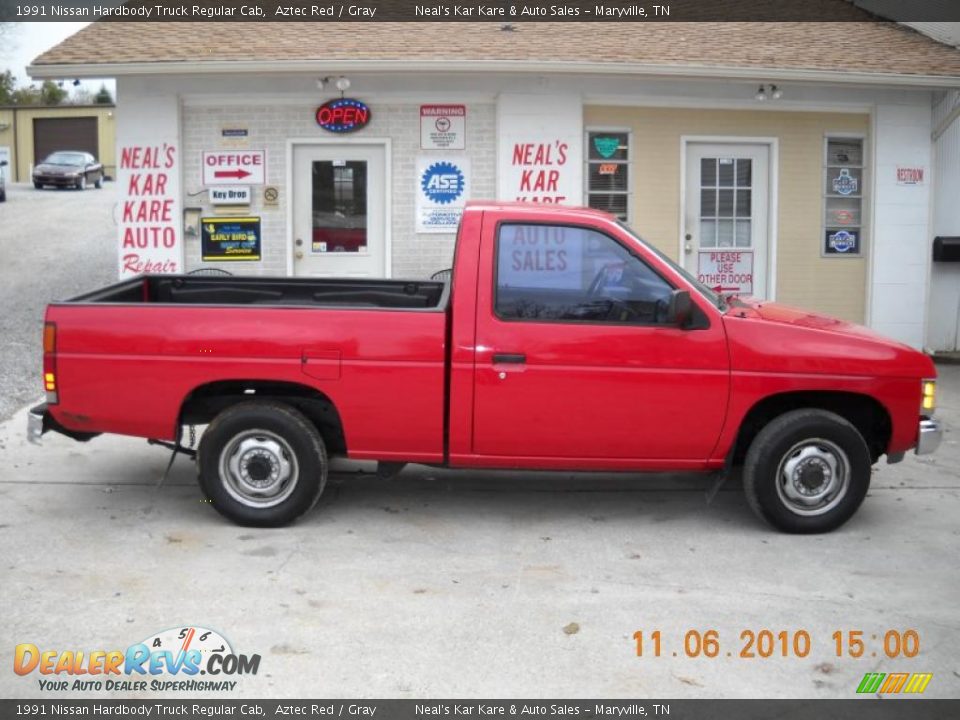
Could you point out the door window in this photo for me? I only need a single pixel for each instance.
(726, 187)
(339, 206)
(574, 274)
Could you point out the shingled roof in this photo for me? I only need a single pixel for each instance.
(881, 48)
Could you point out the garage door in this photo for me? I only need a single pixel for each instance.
(52, 134)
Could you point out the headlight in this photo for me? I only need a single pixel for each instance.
(928, 397)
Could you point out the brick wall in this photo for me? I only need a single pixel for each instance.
(414, 255)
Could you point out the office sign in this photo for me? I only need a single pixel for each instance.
(228, 167)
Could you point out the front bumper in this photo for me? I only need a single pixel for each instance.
(929, 437)
(58, 180)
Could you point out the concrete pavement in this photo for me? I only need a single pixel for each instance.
(55, 244)
(445, 584)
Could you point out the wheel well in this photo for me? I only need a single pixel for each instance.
(862, 411)
(207, 401)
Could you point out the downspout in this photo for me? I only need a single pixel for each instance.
(16, 148)
(947, 121)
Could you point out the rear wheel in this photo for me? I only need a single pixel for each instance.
(262, 464)
(99, 181)
(807, 471)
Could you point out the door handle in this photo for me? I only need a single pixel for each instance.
(514, 358)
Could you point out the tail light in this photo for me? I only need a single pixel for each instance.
(50, 362)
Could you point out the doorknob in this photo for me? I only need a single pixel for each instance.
(298, 254)
(688, 246)
(299, 242)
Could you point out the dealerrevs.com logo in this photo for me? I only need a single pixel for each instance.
(184, 659)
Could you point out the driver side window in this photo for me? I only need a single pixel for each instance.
(575, 274)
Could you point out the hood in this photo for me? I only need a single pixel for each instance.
(51, 169)
(771, 336)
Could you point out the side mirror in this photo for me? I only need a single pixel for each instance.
(680, 308)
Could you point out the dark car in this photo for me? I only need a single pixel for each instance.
(69, 169)
(3, 181)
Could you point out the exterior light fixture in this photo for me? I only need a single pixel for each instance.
(768, 91)
(343, 84)
(76, 83)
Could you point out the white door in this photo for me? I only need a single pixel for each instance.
(339, 207)
(726, 233)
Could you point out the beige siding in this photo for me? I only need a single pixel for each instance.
(21, 151)
(836, 286)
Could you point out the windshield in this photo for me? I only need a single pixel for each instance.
(709, 294)
(66, 158)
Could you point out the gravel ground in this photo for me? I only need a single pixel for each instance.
(55, 244)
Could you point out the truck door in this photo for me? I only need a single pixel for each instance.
(575, 359)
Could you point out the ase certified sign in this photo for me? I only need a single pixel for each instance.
(229, 167)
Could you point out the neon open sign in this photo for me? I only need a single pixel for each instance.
(343, 115)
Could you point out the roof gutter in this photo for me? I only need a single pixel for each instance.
(107, 70)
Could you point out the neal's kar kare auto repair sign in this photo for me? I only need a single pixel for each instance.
(149, 219)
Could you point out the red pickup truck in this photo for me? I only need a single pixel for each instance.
(562, 341)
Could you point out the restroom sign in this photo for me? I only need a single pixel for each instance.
(230, 167)
(443, 127)
(726, 271)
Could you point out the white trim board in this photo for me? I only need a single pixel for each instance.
(773, 210)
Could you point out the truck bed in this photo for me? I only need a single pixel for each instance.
(270, 291)
(163, 339)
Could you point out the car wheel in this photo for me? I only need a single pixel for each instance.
(38, 186)
(807, 471)
(262, 464)
(82, 183)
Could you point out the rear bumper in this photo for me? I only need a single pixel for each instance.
(40, 421)
(35, 423)
(929, 437)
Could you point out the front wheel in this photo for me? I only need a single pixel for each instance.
(807, 471)
(82, 183)
(262, 464)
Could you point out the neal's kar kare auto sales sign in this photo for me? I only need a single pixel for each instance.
(443, 190)
(230, 167)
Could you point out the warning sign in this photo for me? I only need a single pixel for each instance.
(443, 127)
(726, 271)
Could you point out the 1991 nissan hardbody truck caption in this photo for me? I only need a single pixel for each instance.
(561, 341)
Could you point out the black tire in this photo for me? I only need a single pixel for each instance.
(99, 182)
(276, 436)
(38, 186)
(807, 451)
(3, 195)
(82, 183)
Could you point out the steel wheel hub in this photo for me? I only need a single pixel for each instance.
(813, 476)
(259, 469)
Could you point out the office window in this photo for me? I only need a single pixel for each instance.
(608, 172)
(843, 193)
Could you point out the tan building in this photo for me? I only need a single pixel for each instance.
(30, 133)
(789, 161)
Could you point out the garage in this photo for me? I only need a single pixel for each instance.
(64, 133)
